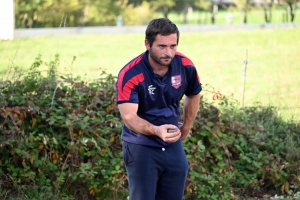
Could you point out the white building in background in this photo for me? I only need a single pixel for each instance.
(7, 19)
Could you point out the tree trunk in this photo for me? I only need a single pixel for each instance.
(25, 20)
(34, 20)
(166, 11)
(185, 15)
(266, 15)
(245, 17)
(270, 13)
(291, 11)
(212, 19)
(86, 12)
(215, 9)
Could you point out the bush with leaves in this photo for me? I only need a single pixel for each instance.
(60, 139)
(59, 132)
(241, 152)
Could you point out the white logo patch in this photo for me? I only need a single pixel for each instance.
(151, 89)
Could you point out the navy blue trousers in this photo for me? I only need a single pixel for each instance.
(155, 173)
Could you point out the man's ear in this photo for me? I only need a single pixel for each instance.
(147, 44)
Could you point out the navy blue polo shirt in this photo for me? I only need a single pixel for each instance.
(158, 98)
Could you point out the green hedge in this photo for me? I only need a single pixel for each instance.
(60, 139)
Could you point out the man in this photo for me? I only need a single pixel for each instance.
(149, 90)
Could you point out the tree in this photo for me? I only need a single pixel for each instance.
(291, 6)
(135, 2)
(105, 12)
(245, 7)
(158, 5)
(164, 5)
(139, 14)
(209, 6)
(26, 13)
(267, 7)
(182, 6)
(57, 13)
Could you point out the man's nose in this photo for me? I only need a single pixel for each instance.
(168, 51)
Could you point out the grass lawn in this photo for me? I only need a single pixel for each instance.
(255, 16)
(273, 71)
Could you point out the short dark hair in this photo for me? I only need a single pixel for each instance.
(162, 26)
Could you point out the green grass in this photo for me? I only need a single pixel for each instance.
(273, 72)
(255, 16)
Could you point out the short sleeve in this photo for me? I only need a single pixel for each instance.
(127, 88)
(194, 85)
(128, 82)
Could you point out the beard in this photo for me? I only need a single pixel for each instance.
(160, 60)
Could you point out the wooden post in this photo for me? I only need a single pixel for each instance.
(7, 19)
(244, 76)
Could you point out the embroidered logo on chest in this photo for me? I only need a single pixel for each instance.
(151, 89)
(176, 81)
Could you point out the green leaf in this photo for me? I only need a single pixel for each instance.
(210, 124)
(214, 150)
(86, 118)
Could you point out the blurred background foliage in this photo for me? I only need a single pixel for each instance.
(74, 13)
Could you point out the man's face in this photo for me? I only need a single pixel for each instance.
(163, 49)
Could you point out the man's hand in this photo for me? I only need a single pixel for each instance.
(185, 131)
(162, 132)
(190, 109)
(132, 121)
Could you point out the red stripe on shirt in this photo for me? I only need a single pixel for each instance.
(124, 92)
(187, 62)
(180, 54)
(128, 87)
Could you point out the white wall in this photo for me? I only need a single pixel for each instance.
(7, 19)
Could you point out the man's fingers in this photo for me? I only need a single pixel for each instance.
(172, 137)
